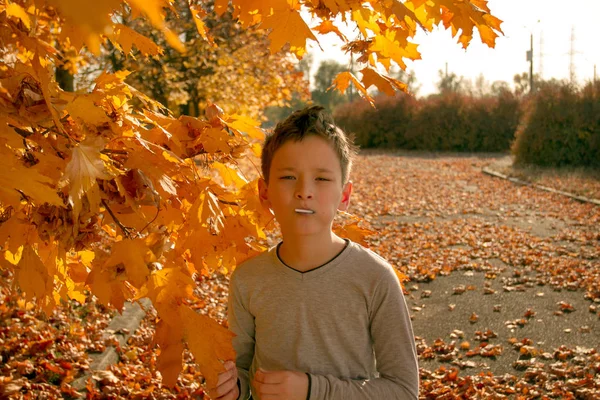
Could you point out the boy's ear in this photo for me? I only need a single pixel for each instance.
(346, 192)
(263, 193)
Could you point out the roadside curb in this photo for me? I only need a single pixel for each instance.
(122, 326)
(582, 199)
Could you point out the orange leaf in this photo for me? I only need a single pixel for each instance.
(385, 84)
(209, 342)
(33, 276)
(85, 167)
(287, 26)
(342, 81)
(127, 37)
(170, 340)
(130, 256)
(327, 26)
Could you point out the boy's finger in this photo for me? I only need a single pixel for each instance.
(224, 389)
(224, 376)
(229, 365)
(268, 377)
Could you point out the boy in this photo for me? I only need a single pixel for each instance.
(317, 316)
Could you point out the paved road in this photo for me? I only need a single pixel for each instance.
(524, 261)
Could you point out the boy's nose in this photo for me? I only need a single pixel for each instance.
(303, 191)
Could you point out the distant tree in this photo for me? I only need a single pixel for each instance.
(522, 83)
(450, 83)
(408, 77)
(499, 87)
(481, 87)
(326, 72)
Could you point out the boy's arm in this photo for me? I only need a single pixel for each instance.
(241, 322)
(395, 352)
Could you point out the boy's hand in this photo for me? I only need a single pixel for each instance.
(227, 388)
(280, 385)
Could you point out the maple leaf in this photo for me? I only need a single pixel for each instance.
(231, 176)
(287, 26)
(85, 167)
(170, 340)
(15, 10)
(126, 37)
(86, 20)
(326, 27)
(384, 84)
(33, 276)
(106, 288)
(17, 178)
(197, 16)
(129, 259)
(245, 124)
(354, 232)
(343, 80)
(209, 342)
(167, 288)
(83, 108)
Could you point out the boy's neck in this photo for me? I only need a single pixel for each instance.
(309, 252)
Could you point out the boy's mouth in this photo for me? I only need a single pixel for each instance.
(304, 211)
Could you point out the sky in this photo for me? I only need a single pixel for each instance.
(553, 24)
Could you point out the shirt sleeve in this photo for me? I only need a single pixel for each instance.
(241, 322)
(395, 352)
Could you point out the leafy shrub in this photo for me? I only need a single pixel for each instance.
(561, 127)
(450, 122)
(384, 126)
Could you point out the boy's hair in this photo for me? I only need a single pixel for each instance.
(302, 123)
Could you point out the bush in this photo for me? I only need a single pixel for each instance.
(561, 127)
(451, 122)
(382, 127)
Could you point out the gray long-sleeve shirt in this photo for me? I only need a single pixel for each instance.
(345, 323)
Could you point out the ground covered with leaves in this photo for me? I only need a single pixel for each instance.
(503, 292)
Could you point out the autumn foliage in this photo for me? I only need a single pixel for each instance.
(446, 122)
(561, 127)
(107, 191)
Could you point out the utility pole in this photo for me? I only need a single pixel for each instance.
(530, 59)
(572, 57)
(594, 73)
(541, 56)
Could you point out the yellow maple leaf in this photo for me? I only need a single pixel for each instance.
(169, 362)
(153, 9)
(200, 26)
(16, 178)
(327, 26)
(385, 84)
(86, 165)
(106, 288)
(127, 37)
(343, 80)
(246, 124)
(209, 342)
(167, 288)
(287, 26)
(86, 20)
(130, 257)
(84, 109)
(15, 10)
(354, 232)
(231, 176)
(389, 45)
(32, 275)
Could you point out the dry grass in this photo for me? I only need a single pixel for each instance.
(578, 181)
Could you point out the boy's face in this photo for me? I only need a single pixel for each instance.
(305, 187)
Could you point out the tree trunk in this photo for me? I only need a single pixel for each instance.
(64, 79)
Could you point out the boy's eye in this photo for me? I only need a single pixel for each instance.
(323, 179)
(287, 177)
